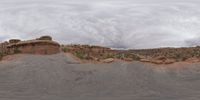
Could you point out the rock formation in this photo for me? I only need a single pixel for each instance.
(43, 45)
(14, 40)
(46, 46)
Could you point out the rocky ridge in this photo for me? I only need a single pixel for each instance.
(98, 54)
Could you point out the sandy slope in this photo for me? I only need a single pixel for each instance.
(57, 77)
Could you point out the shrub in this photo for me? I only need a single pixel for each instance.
(183, 58)
(16, 51)
(1, 56)
(180, 57)
(109, 56)
(83, 55)
(135, 57)
(79, 54)
(65, 49)
(119, 56)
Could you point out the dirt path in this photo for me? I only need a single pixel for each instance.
(59, 77)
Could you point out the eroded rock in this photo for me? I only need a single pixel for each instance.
(109, 60)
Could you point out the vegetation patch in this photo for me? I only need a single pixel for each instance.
(17, 51)
(65, 49)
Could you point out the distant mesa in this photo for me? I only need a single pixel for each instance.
(43, 45)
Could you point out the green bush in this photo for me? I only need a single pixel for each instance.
(16, 51)
(135, 57)
(181, 57)
(109, 56)
(1, 56)
(79, 54)
(119, 56)
(65, 49)
(82, 55)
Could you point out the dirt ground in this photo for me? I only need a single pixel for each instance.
(60, 77)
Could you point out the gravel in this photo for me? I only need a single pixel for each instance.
(59, 77)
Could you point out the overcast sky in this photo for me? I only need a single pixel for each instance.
(113, 23)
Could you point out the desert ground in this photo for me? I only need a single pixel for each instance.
(59, 77)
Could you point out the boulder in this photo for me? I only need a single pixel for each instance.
(157, 61)
(144, 60)
(160, 58)
(170, 61)
(95, 58)
(193, 60)
(108, 60)
(128, 59)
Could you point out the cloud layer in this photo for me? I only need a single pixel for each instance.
(117, 24)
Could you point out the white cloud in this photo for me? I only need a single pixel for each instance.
(121, 24)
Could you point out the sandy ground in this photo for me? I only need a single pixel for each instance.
(58, 77)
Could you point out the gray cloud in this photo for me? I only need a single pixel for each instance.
(193, 42)
(114, 23)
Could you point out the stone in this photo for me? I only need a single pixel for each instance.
(33, 47)
(144, 60)
(193, 60)
(108, 60)
(157, 61)
(95, 58)
(169, 61)
(128, 59)
(160, 58)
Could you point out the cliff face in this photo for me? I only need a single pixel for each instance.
(43, 45)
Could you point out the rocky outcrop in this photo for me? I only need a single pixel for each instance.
(3, 49)
(14, 41)
(159, 60)
(108, 60)
(45, 38)
(193, 60)
(43, 45)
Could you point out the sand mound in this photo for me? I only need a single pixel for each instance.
(57, 77)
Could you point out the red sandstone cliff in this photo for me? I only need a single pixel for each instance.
(42, 45)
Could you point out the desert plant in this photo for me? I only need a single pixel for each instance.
(183, 58)
(65, 49)
(79, 54)
(109, 56)
(119, 56)
(1, 55)
(16, 51)
(135, 57)
(196, 54)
